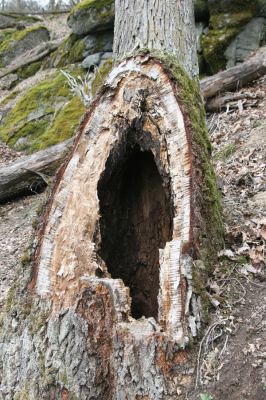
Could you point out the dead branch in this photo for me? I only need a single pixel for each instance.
(235, 77)
(20, 176)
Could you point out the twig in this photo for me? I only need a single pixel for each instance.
(198, 374)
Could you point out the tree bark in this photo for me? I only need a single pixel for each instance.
(167, 26)
(113, 289)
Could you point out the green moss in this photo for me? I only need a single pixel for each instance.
(86, 4)
(8, 98)
(25, 259)
(224, 27)
(101, 74)
(12, 35)
(29, 70)
(52, 125)
(226, 152)
(62, 127)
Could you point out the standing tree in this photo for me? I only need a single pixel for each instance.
(114, 284)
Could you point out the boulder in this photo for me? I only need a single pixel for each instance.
(248, 40)
(227, 19)
(42, 115)
(15, 43)
(91, 16)
(101, 42)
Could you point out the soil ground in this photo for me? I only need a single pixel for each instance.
(231, 358)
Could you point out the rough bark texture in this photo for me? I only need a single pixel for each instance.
(115, 285)
(68, 330)
(31, 173)
(166, 25)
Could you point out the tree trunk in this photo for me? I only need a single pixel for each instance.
(167, 26)
(113, 288)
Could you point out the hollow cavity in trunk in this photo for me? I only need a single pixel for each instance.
(135, 223)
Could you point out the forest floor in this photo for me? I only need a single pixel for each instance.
(230, 361)
(231, 358)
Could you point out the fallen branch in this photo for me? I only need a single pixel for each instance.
(31, 171)
(217, 103)
(235, 77)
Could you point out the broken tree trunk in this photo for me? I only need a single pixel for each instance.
(30, 174)
(115, 284)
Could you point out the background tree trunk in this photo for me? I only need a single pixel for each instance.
(112, 288)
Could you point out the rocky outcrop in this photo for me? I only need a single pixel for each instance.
(17, 42)
(41, 116)
(91, 16)
(235, 29)
(247, 41)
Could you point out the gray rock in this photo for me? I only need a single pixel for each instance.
(248, 40)
(7, 81)
(96, 59)
(29, 39)
(101, 42)
(262, 8)
(90, 61)
(6, 21)
(91, 17)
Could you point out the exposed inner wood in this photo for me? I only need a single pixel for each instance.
(70, 258)
(135, 222)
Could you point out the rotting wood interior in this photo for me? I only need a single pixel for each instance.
(135, 223)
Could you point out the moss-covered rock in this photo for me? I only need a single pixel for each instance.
(71, 51)
(223, 28)
(14, 43)
(91, 15)
(44, 115)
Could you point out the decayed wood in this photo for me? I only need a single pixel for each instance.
(166, 26)
(28, 173)
(67, 251)
(42, 51)
(235, 77)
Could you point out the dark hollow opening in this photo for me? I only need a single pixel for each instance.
(135, 223)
